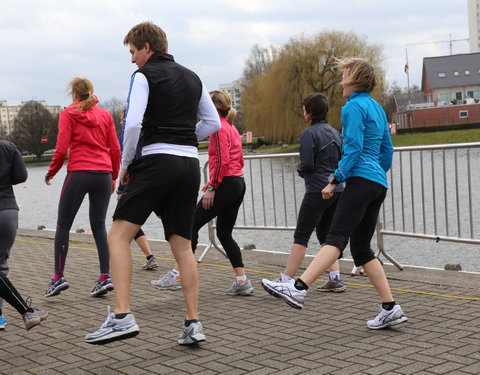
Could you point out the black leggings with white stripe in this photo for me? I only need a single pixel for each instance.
(11, 295)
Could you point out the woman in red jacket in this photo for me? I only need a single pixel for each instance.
(223, 195)
(87, 134)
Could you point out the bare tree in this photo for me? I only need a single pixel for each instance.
(115, 106)
(259, 61)
(272, 100)
(3, 133)
(33, 123)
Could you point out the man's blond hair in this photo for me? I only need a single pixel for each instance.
(147, 32)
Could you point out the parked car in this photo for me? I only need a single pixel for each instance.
(49, 152)
(26, 153)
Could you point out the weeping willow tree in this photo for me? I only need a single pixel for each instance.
(272, 98)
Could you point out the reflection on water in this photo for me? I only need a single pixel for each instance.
(38, 206)
(39, 203)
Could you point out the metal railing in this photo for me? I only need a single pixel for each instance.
(431, 195)
(273, 195)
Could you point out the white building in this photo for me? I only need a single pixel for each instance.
(8, 113)
(474, 25)
(234, 90)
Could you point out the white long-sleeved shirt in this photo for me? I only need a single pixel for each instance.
(137, 104)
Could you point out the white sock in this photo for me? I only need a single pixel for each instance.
(241, 279)
(175, 273)
(334, 275)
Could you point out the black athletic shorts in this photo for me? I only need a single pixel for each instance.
(165, 184)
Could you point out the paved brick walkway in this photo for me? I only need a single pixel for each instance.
(254, 335)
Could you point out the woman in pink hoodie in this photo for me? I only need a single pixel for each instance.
(87, 134)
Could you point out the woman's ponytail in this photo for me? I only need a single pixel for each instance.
(82, 88)
(223, 103)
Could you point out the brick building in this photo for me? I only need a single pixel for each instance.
(451, 91)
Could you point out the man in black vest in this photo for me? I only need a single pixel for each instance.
(163, 103)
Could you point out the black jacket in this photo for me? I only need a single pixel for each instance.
(174, 94)
(320, 152)
(12, 172)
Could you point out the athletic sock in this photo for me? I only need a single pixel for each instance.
(300, 285)
(175, 273)
(241, 279)
(188, 322)
(121, 316)
(334, 275)
(57, 276)
(149, 256)
(103, 276)
(388, 305)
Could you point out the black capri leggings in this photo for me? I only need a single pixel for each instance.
(77, 184)
(139, 234)
(227, 201)
(315, 213)
(356, 218)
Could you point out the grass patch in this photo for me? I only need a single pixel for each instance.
(436, 138)
(31, 159)
(277, 149)
(402, 140)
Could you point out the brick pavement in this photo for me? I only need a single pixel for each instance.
(245, 335)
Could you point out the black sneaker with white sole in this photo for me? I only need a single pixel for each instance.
(55, 287)
(102, 287)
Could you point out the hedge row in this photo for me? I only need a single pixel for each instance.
(429, 129)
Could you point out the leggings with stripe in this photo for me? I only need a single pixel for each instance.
(98, 186)
(11, 295)
(8, 231)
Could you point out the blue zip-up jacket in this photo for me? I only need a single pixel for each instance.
(367, 148)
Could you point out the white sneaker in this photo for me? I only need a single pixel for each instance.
(114, 329)
(192, 334)
(286, 279)
(244, 289)
(286, 291)
(387, 318)
(167, 281)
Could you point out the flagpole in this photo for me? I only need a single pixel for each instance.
(407, 70)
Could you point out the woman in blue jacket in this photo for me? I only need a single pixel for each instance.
(366, 157)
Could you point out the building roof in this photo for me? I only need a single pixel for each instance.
(451, 71)
(404, 99)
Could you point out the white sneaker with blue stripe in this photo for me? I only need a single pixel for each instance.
(191, 334)
(114, 329)
(387, 318)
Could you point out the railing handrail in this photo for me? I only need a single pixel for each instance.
(445, 146)
(421, 184)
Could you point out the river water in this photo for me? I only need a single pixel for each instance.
(38, 206)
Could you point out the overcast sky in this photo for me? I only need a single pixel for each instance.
(46, 43)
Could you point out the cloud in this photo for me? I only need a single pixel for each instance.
(45, 44)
